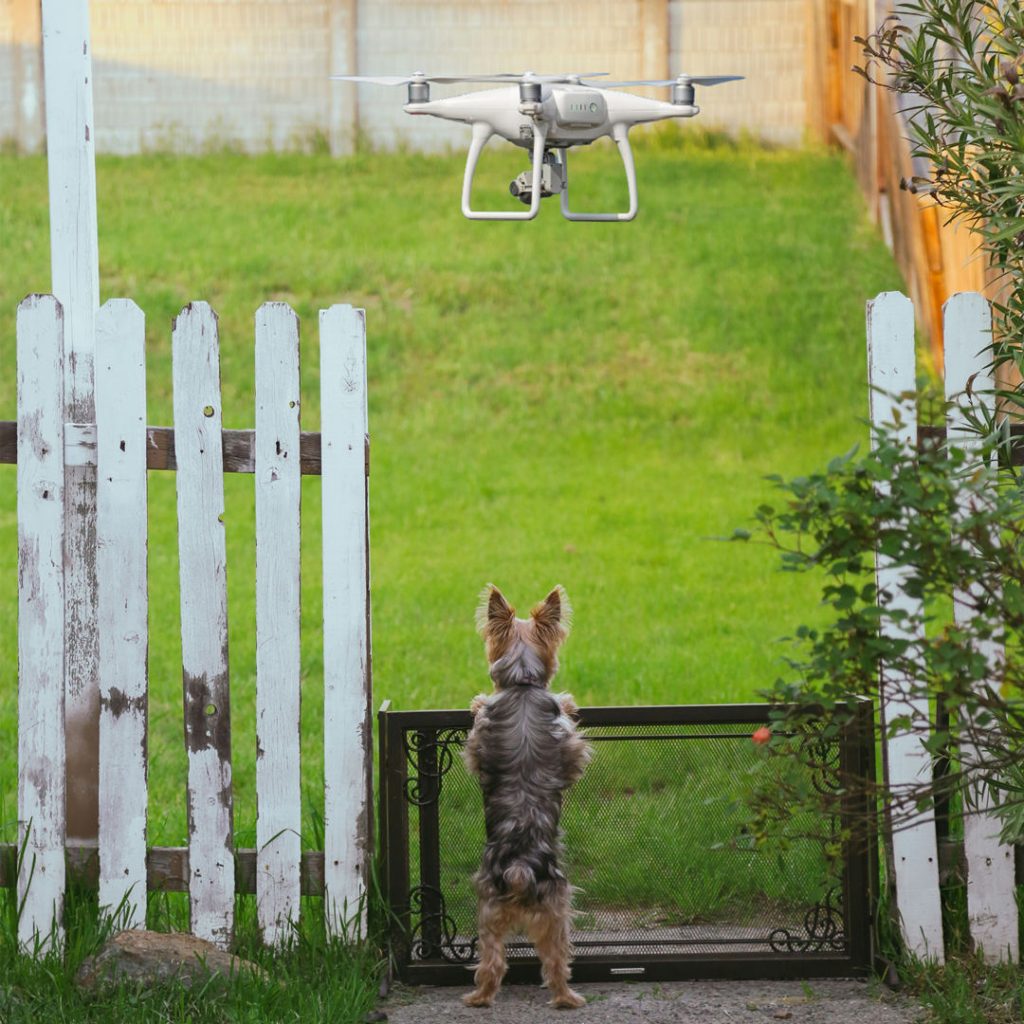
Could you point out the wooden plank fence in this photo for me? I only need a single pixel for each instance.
(121, 448)
(936, 258)
(989, 866)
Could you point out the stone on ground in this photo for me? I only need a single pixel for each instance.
(149, 958)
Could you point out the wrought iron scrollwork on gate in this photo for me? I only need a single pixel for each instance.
(432, 919)
(430, 756)
(824, 929)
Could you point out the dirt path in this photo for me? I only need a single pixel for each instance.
(684, 1002)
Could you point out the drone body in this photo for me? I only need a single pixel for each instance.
(547, 114)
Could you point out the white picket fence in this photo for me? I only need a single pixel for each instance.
(120, 447)
(991, 896)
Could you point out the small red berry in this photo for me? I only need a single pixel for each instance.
(762, 735)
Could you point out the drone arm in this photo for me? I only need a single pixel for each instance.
(620, 133)
(481, 133)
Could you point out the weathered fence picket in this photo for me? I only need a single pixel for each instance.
(202, 560)
(347, 724)
(278, 659)
(75, 280)
(991, 908)
(42, 823)
(891, 373)
(122, 605)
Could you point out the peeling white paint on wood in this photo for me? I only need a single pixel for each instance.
(891, 372)
(278, 659)
(122, 604)
(991, 892)
(79, 444)
(347, 696)
(41, 755)
(202, 562)
(74, 262)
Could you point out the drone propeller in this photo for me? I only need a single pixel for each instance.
(566, 78)
(509, 77)
(681, 80)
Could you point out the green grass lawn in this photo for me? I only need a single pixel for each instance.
(589, 405)
(583, 404)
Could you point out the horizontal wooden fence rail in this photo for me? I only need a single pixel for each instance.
(239, 448)
(167, 868)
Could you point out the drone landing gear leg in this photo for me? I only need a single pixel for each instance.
(620, 133)
(481, 133)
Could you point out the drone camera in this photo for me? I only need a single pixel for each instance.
(552, 182)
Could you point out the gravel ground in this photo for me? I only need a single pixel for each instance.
(693, 1002)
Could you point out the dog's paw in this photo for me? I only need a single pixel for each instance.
(478, 702)
(568, 1000)
(478, 998)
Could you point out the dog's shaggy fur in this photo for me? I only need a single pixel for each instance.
(526, 752)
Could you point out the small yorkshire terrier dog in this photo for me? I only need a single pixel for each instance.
(526, 752)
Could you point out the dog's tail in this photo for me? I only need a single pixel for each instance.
(520, 881)
(524, 876)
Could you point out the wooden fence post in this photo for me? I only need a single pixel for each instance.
(278, 654)
(122, 605)
(892, 372)
(41, 754)
(991, 892)
(202, 560)
(74, 261)
(348, 843)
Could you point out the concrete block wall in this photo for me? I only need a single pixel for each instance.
(191, 74)
(194, 73)
(762, 39)
(466, 36)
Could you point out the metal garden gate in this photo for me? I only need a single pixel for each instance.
(671, 886)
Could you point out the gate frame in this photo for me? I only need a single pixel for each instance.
(860, 872)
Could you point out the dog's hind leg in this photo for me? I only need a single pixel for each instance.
(494, 921)
(549, 932)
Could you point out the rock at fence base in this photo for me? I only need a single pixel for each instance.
(149, 958)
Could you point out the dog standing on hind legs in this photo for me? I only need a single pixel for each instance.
(526, 752)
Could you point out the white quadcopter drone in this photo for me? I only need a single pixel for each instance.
(547, 114)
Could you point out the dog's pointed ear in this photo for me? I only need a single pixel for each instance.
(493, 613)
(553, 615)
